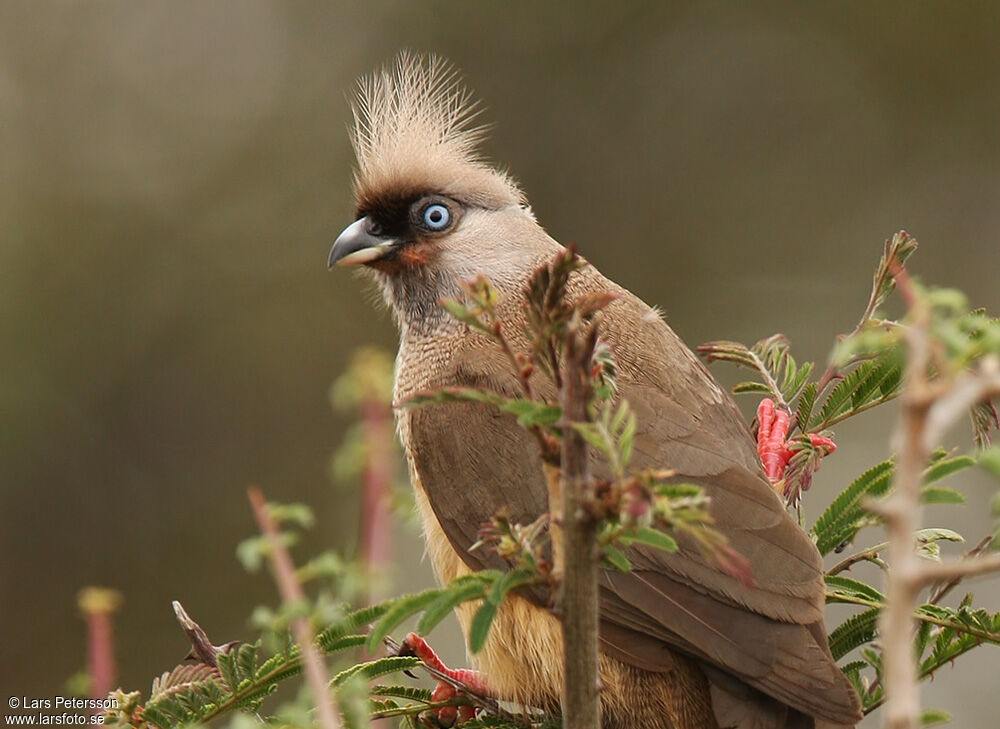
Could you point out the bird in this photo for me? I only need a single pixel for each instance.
(683, 643)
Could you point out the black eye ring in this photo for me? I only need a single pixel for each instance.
(436, 217)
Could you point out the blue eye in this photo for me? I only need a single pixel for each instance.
(437, 216)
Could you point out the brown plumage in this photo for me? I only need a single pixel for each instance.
(685, 646)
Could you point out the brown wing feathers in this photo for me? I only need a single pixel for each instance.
(756, 632)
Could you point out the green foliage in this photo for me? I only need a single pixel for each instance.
(934, 717)
(870, 383)
(197, 693)
(650, 537)
(846, 515)
(612, 433)
(376, 669)
(400, 610)
(529, 413)
(944, 634)
(856, 631)
(483, 619)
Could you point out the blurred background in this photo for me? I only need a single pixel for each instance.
(172, 175)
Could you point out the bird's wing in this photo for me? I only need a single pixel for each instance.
(474, 462)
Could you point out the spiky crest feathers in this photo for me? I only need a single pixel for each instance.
(414, 134)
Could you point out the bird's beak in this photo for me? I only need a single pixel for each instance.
(355, 245)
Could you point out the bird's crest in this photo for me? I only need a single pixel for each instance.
(414, 134)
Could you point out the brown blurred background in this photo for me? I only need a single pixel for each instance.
(173, 173)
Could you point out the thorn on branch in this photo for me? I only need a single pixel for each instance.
(202, 649)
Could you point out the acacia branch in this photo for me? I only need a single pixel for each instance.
(889, 266)
(959, 568)
(839, 597)
(928, 410)
(291, 592)
(867, 555)
(968, 390)
(941, 590)
(578, 598)
(901, 512)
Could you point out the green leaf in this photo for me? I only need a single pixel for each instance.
(727, 351)
(399, 611)
(945, 467)
(744, 387)
(840, 585)
(461, 589)
(896, 251)
(350, 623)
(409, 693)
(345, 642)
(940, 495)
(870, 381)
(226, 664)
(854, 632)
(593, 435)
(934, 717)
(845, 516)
(246, 660)
(626, 440)
(806, 401)
(528, 412)
(464, 314)
(269, 665)
(791, 387)
(650, 537)
(937, 534)
(373, 669)
(615, 558)
(296, 514)
(479, 630)
(623, 411)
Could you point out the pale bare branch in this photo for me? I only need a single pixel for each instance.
(291, 592)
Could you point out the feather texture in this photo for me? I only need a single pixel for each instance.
(415, 132)
(471, 462)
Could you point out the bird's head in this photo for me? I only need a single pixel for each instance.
(430, 212)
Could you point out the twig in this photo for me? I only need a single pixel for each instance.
(969, 389)
(523, 374)
(839, 597)
(291, 592)
(578, 601)
(941, 590)
(868, 555)
(901, 512)
(411, 710)
(959, 569)
(202, 649)
(889, 265)
(769, 381)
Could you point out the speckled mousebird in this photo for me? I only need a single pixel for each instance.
(684, 645)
